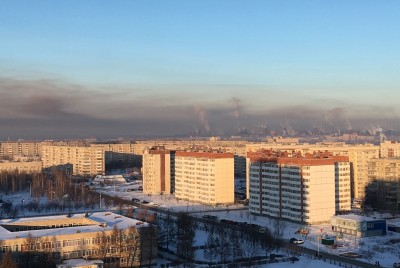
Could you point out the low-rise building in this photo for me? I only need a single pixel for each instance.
(103, 235)
(21, 166)
(359, 226)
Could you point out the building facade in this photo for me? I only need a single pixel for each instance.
(204, 177)
(85, 160)
(158, 171)
(23, 166)
(383, 190)
(103, 235)
(359, 226)
(10, 149)
(306, 189)
(358, 155)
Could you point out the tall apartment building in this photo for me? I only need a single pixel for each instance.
(206, 178)
(85, 160)
(307, 189)
(358, 158)
(389, 149)
(20, 148)
(158, 171)
(383, 190)
(238, 148)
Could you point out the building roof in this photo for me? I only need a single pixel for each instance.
(94, 222)
(355, 217)
(204, 154)
(317, 158)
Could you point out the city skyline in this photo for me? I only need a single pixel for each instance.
(158, 68)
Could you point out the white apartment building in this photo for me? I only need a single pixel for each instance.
(157, 171)
(306, 189)
(206, 178)
(85, 160)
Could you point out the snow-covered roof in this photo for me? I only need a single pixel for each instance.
(355, 217)
(94, 222)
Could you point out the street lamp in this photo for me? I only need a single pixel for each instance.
(30, 188)
(318, 238)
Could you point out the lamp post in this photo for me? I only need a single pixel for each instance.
(30, 188)
(318, 237)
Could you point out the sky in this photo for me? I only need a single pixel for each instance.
(157, 68)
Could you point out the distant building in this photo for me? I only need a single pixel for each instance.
(307, 189)
(389, 149)
(204, 177)
(158, 171)
(109, 179)
(383, 190)
(85, 160)
(102, 235)
(21, 166)
(11, 149)
(359, 226)
(117, 153)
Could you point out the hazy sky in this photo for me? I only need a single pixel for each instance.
(128, 68)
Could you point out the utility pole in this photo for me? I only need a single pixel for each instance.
(100, 201)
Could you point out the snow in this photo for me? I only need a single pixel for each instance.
(302, 263)
(93, 223)
(385, 249)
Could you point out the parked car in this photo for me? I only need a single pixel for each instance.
(211, 217)
(296, 241)
(137, 200)
(145, 202)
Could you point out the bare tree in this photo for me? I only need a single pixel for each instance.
(185, 237)
(7, 261)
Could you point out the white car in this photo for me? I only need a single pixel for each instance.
(296, 241)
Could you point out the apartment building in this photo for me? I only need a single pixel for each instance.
(359, 156)
(238, 148)
(23, 166)
(10, 149)
(115, 153)
(302, 188)
(383, 190)
(85, 160)
(204, 177)
(158, 171)
(389, 149)
(90, 236)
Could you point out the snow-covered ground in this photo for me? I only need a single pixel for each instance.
(372, 249)
(385, 249)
